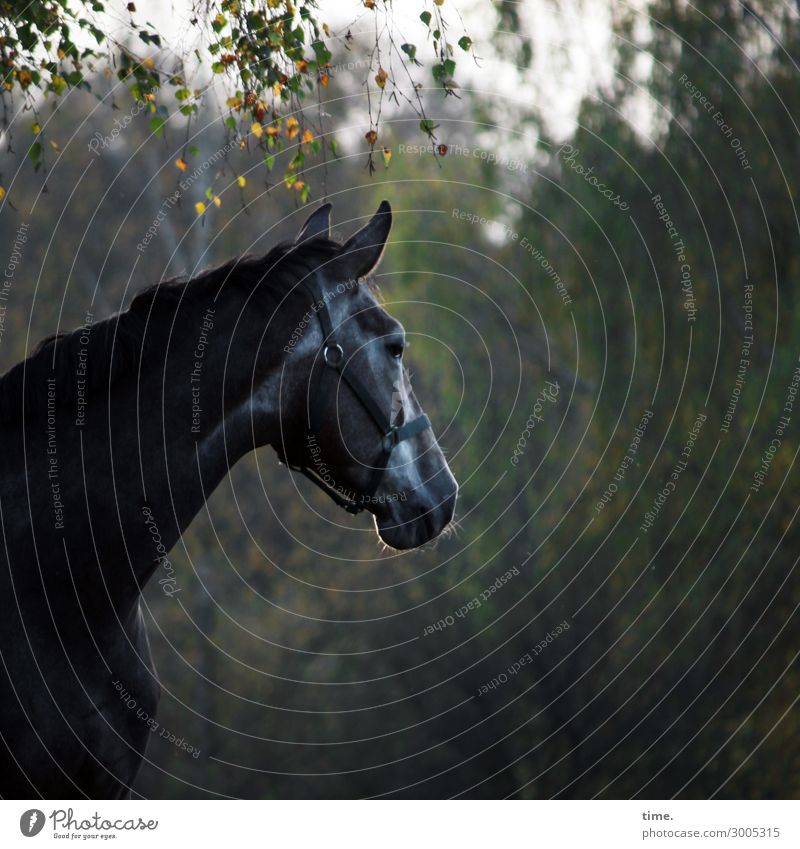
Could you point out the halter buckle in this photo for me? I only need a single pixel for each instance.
(390, 439)
(335, 361)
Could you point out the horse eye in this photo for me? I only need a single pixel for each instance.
(396, 349)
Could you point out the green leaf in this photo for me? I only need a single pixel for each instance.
(427, 126)
(255, 21)
(35, 152)
(449, 67)
(411, 51)
(193, 150)
(321, 52)
(425, 17)
(465, 42)
(269, 161)
(157, 125)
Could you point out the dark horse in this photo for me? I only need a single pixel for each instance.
(113, 437)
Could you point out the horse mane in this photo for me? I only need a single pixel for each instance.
(114, 348)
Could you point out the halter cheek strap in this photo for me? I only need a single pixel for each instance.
(333, 357)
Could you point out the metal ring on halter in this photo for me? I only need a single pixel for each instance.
(339, 355)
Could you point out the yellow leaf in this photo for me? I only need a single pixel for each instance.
(307, 137)
(180, 162)
(327, 30)
(35, 128)
(217, 201)
(387, 156)
(299, 185)
(199, 207)
(324, 80)
(292, 127)
(55, 146)
(2, 192)
(256, 129)
(241, 182)
(148, 63)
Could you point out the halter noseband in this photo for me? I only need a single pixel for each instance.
(391, 435)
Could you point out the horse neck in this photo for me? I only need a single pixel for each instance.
(172, 443)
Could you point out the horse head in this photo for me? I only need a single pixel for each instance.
(350, 419)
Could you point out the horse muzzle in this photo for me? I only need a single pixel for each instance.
(411, 523)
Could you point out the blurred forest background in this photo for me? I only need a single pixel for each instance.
(295, 656)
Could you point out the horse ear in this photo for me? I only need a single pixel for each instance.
(317, 224)
(362, 252)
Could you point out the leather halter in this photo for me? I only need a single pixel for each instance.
(333, 357)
